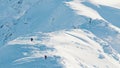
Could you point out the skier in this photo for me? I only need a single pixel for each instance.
(31, 39)
(90, 21)
(45, 57)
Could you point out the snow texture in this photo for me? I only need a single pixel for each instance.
(65, 34)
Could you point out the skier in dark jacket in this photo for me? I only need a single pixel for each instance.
(45, 57)
(90, 21)
(31, 39)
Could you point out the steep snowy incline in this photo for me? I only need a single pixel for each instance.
(65, 49)
(110, 3)
(36, 15)
(100, 20)
(72, 33)
(106, 10)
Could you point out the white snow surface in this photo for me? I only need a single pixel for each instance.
(74, 47)
(111, 3)
(83, 10)
(71, 33)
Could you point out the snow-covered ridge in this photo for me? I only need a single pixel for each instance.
(86, 31)
(57, 15)
(83, 10)
(98, 9)
(111, 3)
(76, 48)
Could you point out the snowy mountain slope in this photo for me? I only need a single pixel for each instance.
(96, 12)
(74, 48)
(102, 29)
(96, 23)
(56, 16)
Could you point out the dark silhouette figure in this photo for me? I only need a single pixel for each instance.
(45, 57)
(90, 21)
(31, 39)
